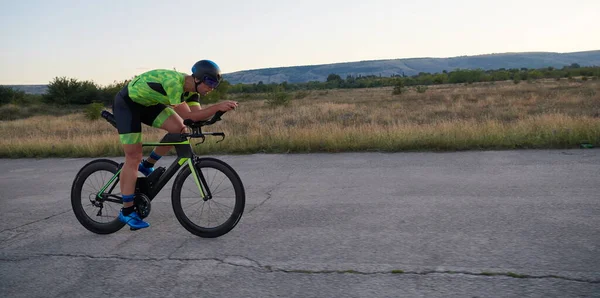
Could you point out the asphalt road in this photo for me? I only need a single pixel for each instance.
(464, 224)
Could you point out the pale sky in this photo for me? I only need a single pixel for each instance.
(112, 40)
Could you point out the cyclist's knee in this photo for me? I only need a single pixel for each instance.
(174, 124)
(134, 157)
(179, 128)
(133, 153)
(175, 127)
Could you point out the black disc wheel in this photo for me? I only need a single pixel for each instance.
(213, 209)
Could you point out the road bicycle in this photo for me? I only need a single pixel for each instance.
(208, 196)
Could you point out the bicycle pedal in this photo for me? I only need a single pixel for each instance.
(133, 229)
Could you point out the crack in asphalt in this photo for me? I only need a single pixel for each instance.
(35, 221)
(269, 192)
(176, 249)
(245, 262)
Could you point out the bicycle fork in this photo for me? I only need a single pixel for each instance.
(200, 180)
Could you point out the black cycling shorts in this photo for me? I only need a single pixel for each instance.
(130, 116)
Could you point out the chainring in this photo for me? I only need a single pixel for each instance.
(142, 205)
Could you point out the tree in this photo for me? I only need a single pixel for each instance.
(334, 81)
(333, 77)
(465, 76)
(398, 87)
(109, 92)
(71, 91)
(440, 78)
(8, 95)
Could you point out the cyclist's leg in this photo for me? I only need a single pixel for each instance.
(127, 115)
(129, 125)
(174, 124)
(128, 177)
(160, 151)
(155, 116)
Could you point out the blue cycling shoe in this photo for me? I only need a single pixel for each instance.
(144, 170)
(133, 220)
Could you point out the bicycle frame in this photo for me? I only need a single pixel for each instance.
(185, 155)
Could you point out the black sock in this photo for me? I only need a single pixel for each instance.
(128, 210)
(147, 164)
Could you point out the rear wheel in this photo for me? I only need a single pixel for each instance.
(208, 217)
(99, 215)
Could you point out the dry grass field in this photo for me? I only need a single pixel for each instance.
(502, 115)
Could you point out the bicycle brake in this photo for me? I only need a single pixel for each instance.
(203, 139)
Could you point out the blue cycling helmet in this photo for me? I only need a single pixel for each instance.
(206, 68)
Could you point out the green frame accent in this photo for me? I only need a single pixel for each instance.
(191, 164)
(165, 144)
(114, 177)
(182, 161)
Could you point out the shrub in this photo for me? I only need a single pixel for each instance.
(278, 98)
(421, 89)
(109, 92)
(8, 95)
(9, 112)
(29, 99)
(398, 88)
(301, 94)
(71, 91)
(93, 110)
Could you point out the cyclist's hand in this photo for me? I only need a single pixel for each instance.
(227, 106)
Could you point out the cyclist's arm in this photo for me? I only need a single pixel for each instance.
(193, 101)
(194, 107)
(198, 113)
(184, 109)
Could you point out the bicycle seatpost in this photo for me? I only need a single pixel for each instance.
(109, 117)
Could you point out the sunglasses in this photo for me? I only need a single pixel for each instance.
(210, 82)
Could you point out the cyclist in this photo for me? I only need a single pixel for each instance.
(159, 98)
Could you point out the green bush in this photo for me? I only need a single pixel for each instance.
(421, 89)
(93, 110)
(278, 98)
(9, 95)
(109, 92)
(71, 91)
(29, 99)
(398, 88)
(301, 94)
(9, 112)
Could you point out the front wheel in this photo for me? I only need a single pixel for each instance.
(204, 216)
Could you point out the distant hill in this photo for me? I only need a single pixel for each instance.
(387, 68)
(30, 89)
(413, 66)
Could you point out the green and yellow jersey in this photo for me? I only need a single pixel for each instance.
(160, 86)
